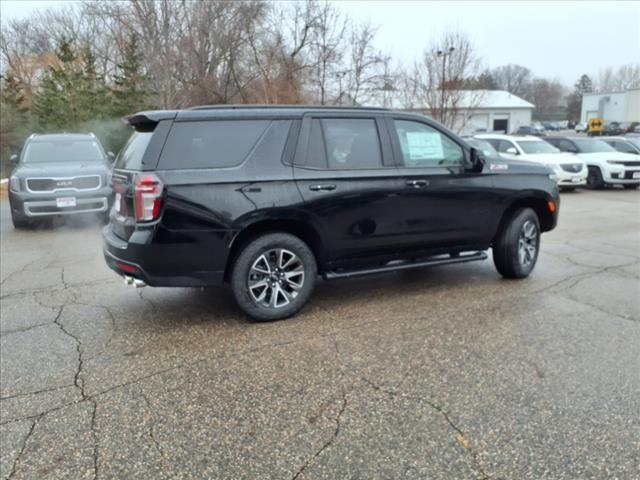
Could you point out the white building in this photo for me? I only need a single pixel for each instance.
(479, 110)
(612, 106)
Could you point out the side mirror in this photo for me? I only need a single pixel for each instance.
(511, 151)
(14, 159)
(112, 157)
(477, 159)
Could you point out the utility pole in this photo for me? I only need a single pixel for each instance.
(444, 54)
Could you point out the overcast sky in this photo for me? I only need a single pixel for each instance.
(553, 39)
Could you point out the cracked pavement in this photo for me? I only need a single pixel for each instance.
(447, 372)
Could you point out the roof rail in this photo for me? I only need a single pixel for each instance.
(275, 107)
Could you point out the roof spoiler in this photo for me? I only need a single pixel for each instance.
(147, 121)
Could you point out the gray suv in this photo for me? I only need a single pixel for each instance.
(59, 174)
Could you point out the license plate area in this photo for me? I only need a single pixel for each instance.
(65, 202)
(636, 174)
(575, 179)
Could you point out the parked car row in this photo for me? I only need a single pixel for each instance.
(578, 161)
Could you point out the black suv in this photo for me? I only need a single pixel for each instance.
(59, 174)
(267, 198)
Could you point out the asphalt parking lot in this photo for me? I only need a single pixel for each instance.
(447, 372)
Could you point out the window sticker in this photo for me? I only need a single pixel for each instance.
(425, 145)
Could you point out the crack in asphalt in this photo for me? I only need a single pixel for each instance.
(16, 461)
(329, 441)
(6, 333)
(44, 390)
(461, 438)
(151, 427)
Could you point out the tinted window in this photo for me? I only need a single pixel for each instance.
(316, 154)
(351, 143)
(210, 144)
(130, 157)
(565, 145)
(62, 151)
(424, 146)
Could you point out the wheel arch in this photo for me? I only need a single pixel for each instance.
(539, 205)
(300, 228)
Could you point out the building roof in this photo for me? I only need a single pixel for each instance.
(469, 99)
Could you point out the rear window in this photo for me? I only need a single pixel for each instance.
(62, 151)
(130, 157)
(210, 144)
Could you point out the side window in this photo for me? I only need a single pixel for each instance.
(350, 143)
(493, 141)
(504, 145)
(210, 144)
(424, 146)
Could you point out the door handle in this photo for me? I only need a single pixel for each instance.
(417, 183)
(319, 188)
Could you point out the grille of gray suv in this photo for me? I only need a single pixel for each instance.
(87, 182)
(571, 167)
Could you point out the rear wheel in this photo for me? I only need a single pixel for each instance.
(594, 179)
(515, 249)
(631, 186)
(273, 276)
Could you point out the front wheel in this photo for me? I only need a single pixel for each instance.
(594, 179)
(273, 276)
(516, 247)
(20, 221)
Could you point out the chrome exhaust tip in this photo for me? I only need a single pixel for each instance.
(128, 280)
(138, 283)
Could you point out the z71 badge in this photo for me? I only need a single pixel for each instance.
(499, 166)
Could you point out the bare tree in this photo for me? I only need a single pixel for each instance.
(327, 47)
(515, 79)
(365, 67)
(546, 95)
(437, 80)
(624, 78)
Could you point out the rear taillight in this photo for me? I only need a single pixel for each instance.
(148, 197)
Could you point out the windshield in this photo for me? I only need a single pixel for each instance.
(482, 145)
(634, 140)
(593, 146)
(62, 151)
(536, 147)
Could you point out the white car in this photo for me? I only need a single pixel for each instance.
(581, 127)
(606, 165)
(570, 171)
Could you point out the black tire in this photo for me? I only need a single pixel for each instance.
(20, 221)
(594, 179)
(507, 255)
(249, 267)
(631, 186)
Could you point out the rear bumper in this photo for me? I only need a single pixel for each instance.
(137, 257)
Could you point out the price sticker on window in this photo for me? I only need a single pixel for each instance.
(425, 145)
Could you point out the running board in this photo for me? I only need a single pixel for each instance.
(331, 275)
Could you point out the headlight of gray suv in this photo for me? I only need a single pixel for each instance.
(14, 184)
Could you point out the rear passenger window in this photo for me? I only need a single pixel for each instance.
(210, 144)
(351, 143)
(423, 146)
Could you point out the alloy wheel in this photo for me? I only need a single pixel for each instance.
(527, 243)
(275, 278)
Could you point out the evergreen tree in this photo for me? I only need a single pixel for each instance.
(574, 99)
(129, 90)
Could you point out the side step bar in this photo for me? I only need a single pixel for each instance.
(331, 275)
